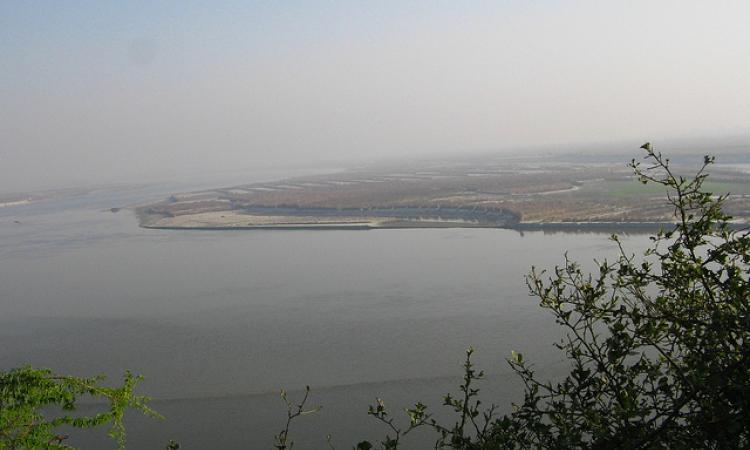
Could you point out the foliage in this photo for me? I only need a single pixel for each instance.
(35, 403)
(658, 345)
(472, 429)
(282, 440)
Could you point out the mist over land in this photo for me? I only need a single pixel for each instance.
(95, 93)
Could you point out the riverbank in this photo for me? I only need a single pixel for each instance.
(260, 217)
(567, 227)
(601, 227)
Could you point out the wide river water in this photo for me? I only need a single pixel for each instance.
(219, 321)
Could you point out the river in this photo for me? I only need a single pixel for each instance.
(219, 321)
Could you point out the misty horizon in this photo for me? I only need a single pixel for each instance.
(216, 177)
(93, 93)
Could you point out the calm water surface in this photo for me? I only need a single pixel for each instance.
(218, 322)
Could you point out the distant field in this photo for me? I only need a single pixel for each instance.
(530, 191)
(634, 188)
(732, 188)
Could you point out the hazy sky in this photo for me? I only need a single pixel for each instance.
(98, 90)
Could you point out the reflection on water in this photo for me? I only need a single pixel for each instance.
(219, 321)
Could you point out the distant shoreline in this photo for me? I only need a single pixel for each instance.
(572, 227)
(643, 227)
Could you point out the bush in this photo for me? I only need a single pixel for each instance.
(35, 403)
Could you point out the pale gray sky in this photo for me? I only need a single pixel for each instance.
(95, 91)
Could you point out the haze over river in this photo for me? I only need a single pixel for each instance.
(219, 321)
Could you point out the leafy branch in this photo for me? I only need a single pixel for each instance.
(25, 391)
(282, 440)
